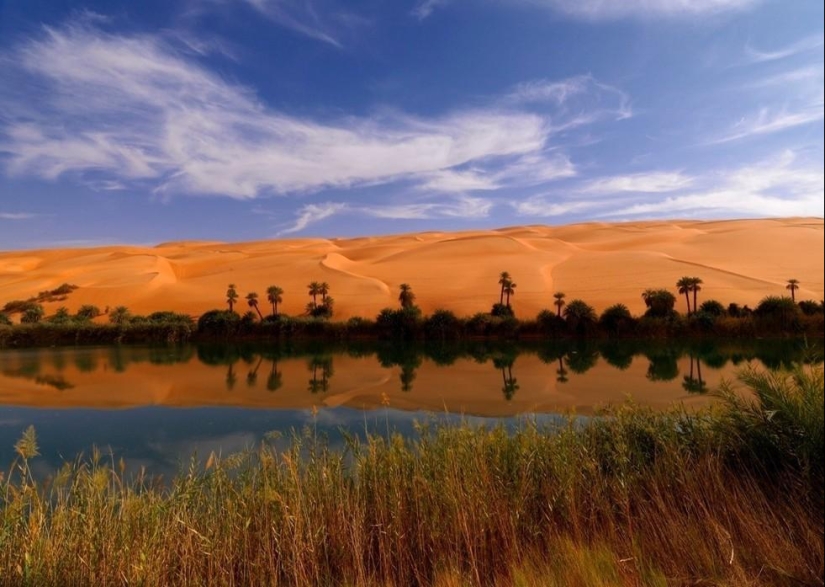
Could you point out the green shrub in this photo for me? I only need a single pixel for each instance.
(616, 320)
(713, 308)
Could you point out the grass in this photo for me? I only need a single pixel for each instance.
(727, 496)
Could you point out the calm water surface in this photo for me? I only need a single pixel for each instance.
(157, 406)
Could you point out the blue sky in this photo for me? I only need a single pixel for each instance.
(144, 122)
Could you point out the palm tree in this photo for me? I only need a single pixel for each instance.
(314, 291)
(684, 287)
(509, 290)
(323, 289)
(274, 296)
(252, 300)
(695, 286)
(231, 296)
(503, 281)
(793, 285)
(559, 303)
(648, 295)
(406, 296)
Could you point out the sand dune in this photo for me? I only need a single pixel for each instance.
(739, 261)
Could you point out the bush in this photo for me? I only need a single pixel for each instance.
(401, 323)
(442, 324)
(4, 320)
(810, 307)
(778, 313)
(616, 320)
(580, 317)
(170, 317)
(713, 308)
(502, 311)
(550, 323)
(219, 323)
(659, 302)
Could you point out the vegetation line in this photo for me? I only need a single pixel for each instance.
(574, 319)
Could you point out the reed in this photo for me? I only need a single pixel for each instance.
(633, 497)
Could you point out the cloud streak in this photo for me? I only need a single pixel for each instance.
(778, 186)
(461, 206)
(598, 10)
(126, 109)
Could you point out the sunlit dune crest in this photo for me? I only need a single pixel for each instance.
(739, 261)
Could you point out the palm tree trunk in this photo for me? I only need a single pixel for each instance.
(259, 312)
(501, 297)
(230, 305)
(273, 308)
(687, 299)
(793, 294)
(694, 299)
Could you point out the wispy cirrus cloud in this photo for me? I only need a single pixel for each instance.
(17, 215)
(315, 19)
(126, 109)
(425, 8)
(652, 182)
(805, 45)
(616, 9)
(778, 186)
(312, 213)
(460, 206)
(582, 99)
(768, 121)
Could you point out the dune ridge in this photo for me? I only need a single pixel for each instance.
(739, 260)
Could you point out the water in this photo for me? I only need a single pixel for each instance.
(157, 406)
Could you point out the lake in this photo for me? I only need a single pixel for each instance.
(157, 406)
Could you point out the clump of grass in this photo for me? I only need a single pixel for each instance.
(632, 498)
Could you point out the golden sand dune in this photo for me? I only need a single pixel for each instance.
(739, 260)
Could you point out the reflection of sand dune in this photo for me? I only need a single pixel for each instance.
(739, 260)
(113, 379)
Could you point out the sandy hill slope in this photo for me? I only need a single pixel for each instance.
(739, 260)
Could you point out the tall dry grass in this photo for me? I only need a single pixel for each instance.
(632, 498)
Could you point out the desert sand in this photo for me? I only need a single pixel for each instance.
(739, 260)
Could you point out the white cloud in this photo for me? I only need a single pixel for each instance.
(615, 9)
(16, 215)
(460, 206)
(118, 110)
(769, 121)
(652, 182)
(547, 206)
(425, 8)
(312, 213)
(780, 186)
(581, 99)
(802, 46)
(521, 171)
(773, 187)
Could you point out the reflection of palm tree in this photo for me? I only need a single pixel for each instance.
(320, 365)
(274, 381)
(561, 372)
(252, 376)
(509, 383)
(231, 378)
(693, 384)
(510, 386)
